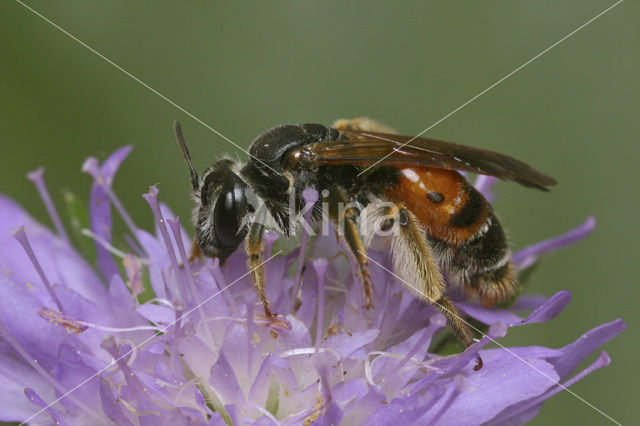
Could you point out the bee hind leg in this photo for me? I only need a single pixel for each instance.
(416, 266)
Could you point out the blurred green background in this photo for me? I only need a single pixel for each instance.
(243, 67)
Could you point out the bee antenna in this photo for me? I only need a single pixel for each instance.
(177, 130)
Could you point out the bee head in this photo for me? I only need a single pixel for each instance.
(221, 205)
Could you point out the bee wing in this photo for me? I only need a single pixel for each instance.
(372, 149)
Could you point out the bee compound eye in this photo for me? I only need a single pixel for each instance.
(228, 214)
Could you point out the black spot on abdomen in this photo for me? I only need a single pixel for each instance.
(435, 197)
(470, 212)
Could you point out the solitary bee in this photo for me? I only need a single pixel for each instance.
(409, 188)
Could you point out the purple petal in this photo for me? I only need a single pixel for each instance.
(12, 216)
(489, 316)
(100, 210)
(529, 255)
(373, 401)
(290, 398)
(60, 262)
(349, 393)
(56, 416)
(392, 374)
(262, 421)
(157, 314)
(400, 411)
(346, 344)
(19, 313)
(523, 412)
(157, 258)
(483, 185)
(442, 405)
(260, 389)
(71, 371)
(223, 379)
(332, 415)
(545, 312)
(551, 308)
(110, 405)
(197, 355)
(122, 305)
(15, 375)
(78, 275)
(120, 295)
(528, 302)
(502, 375)
(574, 353)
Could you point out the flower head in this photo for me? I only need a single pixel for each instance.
(147, 336)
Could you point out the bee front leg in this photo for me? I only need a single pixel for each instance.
(254, 247)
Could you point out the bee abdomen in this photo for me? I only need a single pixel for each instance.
(445, 204)
(487, 249)
(472, 212)
(484, 261)
(496, 284)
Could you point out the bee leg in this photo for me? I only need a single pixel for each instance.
(415, 264)
(345, 222)
(196, 252)
(254, 247)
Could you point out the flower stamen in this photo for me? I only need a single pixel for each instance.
(310, 196)
(218, 278)
(320, 266)
(151, 197)
(92, 166)
(110, 248)
(55, 317)
(37, 177)
(20, 234)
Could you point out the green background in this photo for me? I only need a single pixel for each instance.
(243, 67)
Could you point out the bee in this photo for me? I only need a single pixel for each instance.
(408, 188)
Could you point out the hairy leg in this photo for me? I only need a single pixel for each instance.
(415, 264)
(254, 247)
(345, 222)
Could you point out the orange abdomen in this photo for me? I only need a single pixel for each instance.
(448, 207)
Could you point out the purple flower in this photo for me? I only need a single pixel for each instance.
(146, 337)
